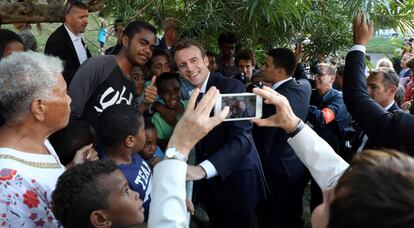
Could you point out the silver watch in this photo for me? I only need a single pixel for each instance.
(173, 153)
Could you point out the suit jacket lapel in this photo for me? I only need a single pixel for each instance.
(211, 81)
(69, 42)
(393, 107)
(88, 54)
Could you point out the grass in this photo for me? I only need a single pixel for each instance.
(384, 45)
(89, 36)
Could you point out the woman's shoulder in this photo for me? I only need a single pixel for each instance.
(25, 202)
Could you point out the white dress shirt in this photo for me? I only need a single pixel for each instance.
(277, 84)
(79, 48)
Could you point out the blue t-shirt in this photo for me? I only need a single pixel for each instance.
(139, 176)
(159, 153)
(102, 34)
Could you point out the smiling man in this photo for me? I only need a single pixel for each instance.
(66, 42)
(230, 172)
(106, 80)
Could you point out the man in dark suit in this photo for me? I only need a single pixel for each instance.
(382, 87)
(391, 130)
(66, 42)
(230, 171)
(283, 170)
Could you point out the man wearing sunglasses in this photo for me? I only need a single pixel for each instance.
(66, 42)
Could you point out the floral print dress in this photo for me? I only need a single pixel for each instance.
(26, 184)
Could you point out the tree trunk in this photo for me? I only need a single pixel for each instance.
(19, 12)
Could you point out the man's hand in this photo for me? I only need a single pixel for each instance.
(86, 153)
(195, 173)
(190, 206)
(196, 122)
(284, 117)
(150, 93)
(363, 30)
(167, 114)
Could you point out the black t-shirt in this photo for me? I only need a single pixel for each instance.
(99, 84)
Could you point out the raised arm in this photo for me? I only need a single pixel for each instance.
(391, 130)
(168, 208)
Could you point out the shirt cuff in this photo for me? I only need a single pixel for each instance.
(209, 168)
(358, 47)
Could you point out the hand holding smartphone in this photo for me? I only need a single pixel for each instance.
(243, 106)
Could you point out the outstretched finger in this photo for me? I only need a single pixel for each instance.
(269, 95)
(371, 27)
(209, 99)
(265, 92)
(268, 122)
(85, 148)
(217, 119)
(153, 80)
(193, 99)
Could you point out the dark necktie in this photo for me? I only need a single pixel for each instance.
(199, 97)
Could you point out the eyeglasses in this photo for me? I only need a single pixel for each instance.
(321, 75)
(75, 3)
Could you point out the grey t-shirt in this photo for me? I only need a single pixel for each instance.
(98, 84)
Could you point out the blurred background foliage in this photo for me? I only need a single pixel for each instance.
(325, 25)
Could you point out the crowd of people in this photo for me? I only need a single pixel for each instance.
(112, 140)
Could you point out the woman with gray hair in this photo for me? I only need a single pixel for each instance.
(34, 103)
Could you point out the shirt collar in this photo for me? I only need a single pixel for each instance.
(73, 37)
(389, 106)
(277, 84)
(204, 86)
(327, 94)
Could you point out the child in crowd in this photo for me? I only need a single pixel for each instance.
(168, 85)
(96, 194)
(76, 139)
(159, 63)
(143, 99)
(121, 129)
(138, 76)
(151, 152)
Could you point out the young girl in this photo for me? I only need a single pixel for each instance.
(151, 152)
(168, 85)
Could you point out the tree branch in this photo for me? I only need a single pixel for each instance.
(26, 12)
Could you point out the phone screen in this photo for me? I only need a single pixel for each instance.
(240, 106)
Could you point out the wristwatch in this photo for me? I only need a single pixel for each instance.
(173, 153)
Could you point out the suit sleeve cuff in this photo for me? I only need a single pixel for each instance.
(209, 168)
(358, 47)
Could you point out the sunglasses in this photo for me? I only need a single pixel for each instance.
(72, 3)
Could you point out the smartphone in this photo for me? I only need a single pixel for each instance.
(243, 106)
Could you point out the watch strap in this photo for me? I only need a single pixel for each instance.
(298, 128)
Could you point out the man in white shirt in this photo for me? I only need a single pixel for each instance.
(66, 42)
